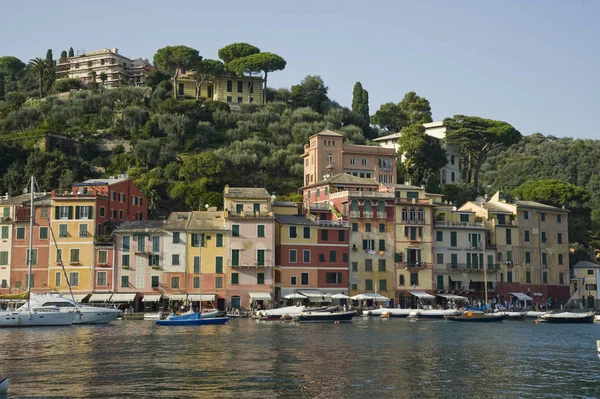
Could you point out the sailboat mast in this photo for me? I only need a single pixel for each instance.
(30, 256)
(485, 287)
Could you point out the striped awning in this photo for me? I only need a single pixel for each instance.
(452, 297)
(151, 298)
(100, 297)
(203, 298)
(129, 297)
(260, 296)
(421, 294)
(177, 297)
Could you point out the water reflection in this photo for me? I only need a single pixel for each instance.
(368, 358)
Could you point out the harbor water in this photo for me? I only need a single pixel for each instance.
(373, 358)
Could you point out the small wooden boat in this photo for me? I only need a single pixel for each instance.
(4, 384)
(192, 319)
(568, 318)
(325, 317)
(476, 317)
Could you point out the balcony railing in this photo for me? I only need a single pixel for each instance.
(253, 264)
(381, 215)
(414, 265)
(249, 214)
(355, 214)
(415, 201)
(333, 223)
(472, 267)
(445, 223)
(368, 214)
(413, 221)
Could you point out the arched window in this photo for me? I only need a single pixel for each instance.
(402, 282)
(381, 207)
(413, 214)
(404, 214)
(326, 190)
(318, 192)
(329, 159)
(421, 214)
(354, 206)
(367, 206)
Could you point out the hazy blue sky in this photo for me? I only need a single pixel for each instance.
(534, 64)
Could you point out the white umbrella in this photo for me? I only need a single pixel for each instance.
(295, 295)
(340, 296)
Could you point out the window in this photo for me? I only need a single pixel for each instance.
(440, 282)
(382, 267)
(341, 235)
(509, 277)
(561, 278)
(363, 161)
(439, 259)
(83, 212)
(240, 86)
(126, 243)
(332, 256)
(113, 214)
(293, 280)
(175, 260)
(196, 282)
(74, 255)
(83, 230)
(229, 99)
(33, 257)
(102, 257)
(558, 218)
(383, 285)
(293, 254)
(414, 279)
(352, 161)
(174, 282)
(102, 211)
(368, 285)
(368, 227)
(74, 278)
(382, 245)
(62, 231)
(560, 259)
(3, 258)
(218, 282)
(590, 272)
(141, 243)
(101, 278)
(235, 230)
(543, 216)
(526, 215)
(508, 237)
(559, 238)
(197, 240)
(235, 257)
(6, 212)
(5, 232)
(354, 226)
(354, 266)
(63, 212)
(526, 236)
(260, 231)
(306, 233)
(439, 236)
(229, 86)
(369, 245)
(235, 278)
(306, 256)
(176, 237)
(293, 233)
(43, 233)
(324, 235)
(260, 257)
(321, 257)
(368, 265)
(304, 278)
(21, 233)
(545, 278)
(544, 239)
(453, 238)
(260, 278)
(220, 240)
(544, 263)
(196, 264)
(139, 281)
(527, 257)
(219, 264)
(125, 260)
(57, 277)
(155, 282)
(240, 100)
(155, 244)
(333, 278)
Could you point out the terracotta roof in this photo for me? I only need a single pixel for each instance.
(206, 221)
(246, 192)
(345, 178)
(327, 132)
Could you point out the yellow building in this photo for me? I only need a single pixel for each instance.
(207, 242)
(73, 226)
(231, 89)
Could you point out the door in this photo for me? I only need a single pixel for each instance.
(256, 209)
(221, 303)
(235, 302)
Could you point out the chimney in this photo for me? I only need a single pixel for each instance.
(6, 196)
(115, 50)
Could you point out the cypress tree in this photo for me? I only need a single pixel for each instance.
(360, 103)
(49, 56)
(63, 54)
(71, 52)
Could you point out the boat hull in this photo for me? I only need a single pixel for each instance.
(317, 317)
(513, 315)
(91, 315)
(433, 314)
(26, 319)
(476, 319)
(3, 384)
(387, 312)
(568, 320)
(194, 322)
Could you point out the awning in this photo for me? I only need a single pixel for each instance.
(260, 296)
(340, 296)
(100, 297)
(295, 295)
(201, 298)
(537, 294)
(452, 297)
(130, 297)
(421, 294)
(520, 296)
(370, 296)
(177, 297)
(479, 278)
(312, 293)
(457, 276)
(151, 298)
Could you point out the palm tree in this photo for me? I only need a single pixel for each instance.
(93, 75)
(39, 66)
(103, 78)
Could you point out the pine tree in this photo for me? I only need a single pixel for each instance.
(63, 54)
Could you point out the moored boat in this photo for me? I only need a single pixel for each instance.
(325, 317)
(433, 313)
(534, 314)
(568, 318)
(191, 319)
(512, 315)
(276, 314)
(476, 317)
(85, 314)
(386, 312)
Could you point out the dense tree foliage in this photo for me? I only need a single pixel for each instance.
(171, 59)
(410, 110)
(423, 155)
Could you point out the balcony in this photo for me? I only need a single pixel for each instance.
(368, 214)
(333, 223)
(414, 265)
(413, 222)
(355, 214)
(381, 215)
(491, 267)
(413, 201)
(322, 206)
(248, 214)
(104, 240)
(252, 264)
(463, 225)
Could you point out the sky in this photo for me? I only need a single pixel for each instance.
(531, 63)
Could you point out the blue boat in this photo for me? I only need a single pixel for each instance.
(192, 319)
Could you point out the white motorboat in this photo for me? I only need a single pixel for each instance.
(86, 314)
(276, 314)
(387, 312)
(433, 313)
(535, 314)
(568, 317)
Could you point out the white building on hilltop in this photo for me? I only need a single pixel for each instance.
(450, 173)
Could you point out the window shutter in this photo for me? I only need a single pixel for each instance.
(70, 212)
(90, 210)
(56, 212)
(77, 212)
